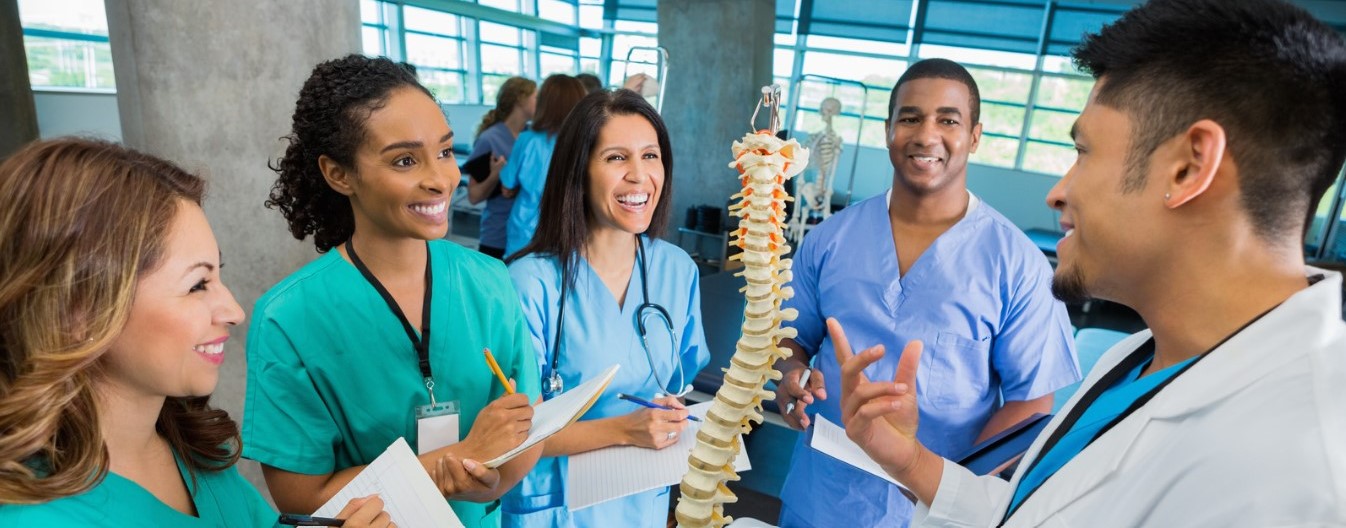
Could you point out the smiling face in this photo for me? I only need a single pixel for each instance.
(930, 135)
(626, 174)
(173, 341)
(1113, 236)
(405, 171)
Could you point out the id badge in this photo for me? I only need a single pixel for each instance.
(436, 426)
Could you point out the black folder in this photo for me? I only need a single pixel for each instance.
(1007, 446)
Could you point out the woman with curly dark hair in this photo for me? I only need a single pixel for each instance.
(113, 321)
(382, 336)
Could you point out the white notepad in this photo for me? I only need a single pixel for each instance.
(610, 473)
(550, 416)
(831, 439)
(409, 496)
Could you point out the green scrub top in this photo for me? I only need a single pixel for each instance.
(222, 498)
(333, 378)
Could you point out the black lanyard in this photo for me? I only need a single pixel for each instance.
(421, 343)
(1140, 356)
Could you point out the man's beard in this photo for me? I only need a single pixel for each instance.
(1068, 286)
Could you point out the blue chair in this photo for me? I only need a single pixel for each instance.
(1090, 344)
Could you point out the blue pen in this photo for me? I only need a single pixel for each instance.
(650, 404)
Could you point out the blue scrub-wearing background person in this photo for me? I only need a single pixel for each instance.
(927, 260)
(608, 193)
(348, 353)
(514, 107)
(525, 174)
(107, 421)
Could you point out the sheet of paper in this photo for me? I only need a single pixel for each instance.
(831, 439)
(409, 496)
(552, 415)
(604, 474)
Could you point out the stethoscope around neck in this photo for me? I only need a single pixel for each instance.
(555, 385)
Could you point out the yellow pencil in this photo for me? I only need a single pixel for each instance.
(495, 367)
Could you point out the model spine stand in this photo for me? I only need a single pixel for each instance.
(764, 163)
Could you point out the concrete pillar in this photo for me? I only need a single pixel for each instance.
(16, 96)
(212, 86)
(720, 54)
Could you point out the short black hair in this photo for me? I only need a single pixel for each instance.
(565, 211)
(329, 120)
(939, 69)
(1265, 70)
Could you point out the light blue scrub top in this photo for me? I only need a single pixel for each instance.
(499, 141)
(333, 378)
(222, 498)
(526, 171)
(598, 334)
(979, 298)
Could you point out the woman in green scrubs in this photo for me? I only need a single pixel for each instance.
(113, 322)
(382, 336)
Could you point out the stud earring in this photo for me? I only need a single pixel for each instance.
(1167, 196)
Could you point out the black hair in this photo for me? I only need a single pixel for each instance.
(566, 213)
(939, 69)
(590, 82)
(329, 120)
(1266, 71)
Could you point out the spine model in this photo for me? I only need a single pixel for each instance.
(764, 163)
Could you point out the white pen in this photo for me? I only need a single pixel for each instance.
(803, 384)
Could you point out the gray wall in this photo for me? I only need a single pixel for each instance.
(17, 114)
(67, 113)
(717, 66)
(212, 86)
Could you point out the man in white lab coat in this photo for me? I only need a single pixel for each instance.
(1213, 129)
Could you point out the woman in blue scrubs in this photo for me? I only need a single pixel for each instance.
(599, 288)
(525, 174)
(515, 104)
(113, 322)
(381, 337)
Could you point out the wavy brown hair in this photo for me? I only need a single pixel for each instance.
(514, 91)
(81, 222)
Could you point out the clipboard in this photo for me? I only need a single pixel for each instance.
(1005, 447)
(550, 416)
(478, 168)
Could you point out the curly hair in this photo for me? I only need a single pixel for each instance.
(513, 92)
(329, 120)
(81, 222)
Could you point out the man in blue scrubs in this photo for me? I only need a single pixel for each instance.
(927, 260)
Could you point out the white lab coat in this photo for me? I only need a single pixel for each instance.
(1252, 435)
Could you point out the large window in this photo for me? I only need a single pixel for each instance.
(67, 44)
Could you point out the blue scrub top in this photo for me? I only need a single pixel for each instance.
(597, 334)
(526, 171)
(333, 378)
(499, 141)
(979, 298)
(222, 499)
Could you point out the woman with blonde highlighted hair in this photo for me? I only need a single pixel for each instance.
(113, 321)
(514, 107)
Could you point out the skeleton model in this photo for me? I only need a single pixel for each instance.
(764, 163)
(814, 198)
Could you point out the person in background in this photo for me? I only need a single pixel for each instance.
(526, 171)
(514, 107)
(381, 337)
(590, 82)
(926, 260)
(113, 323)
(1211, 133)
(589, 281)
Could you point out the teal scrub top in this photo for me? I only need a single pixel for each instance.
(599, 333)
(333, 378)
(222, 498)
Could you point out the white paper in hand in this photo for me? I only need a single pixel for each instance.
(550, 416)
(409, 496)
(603, 474)
(831, 439)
